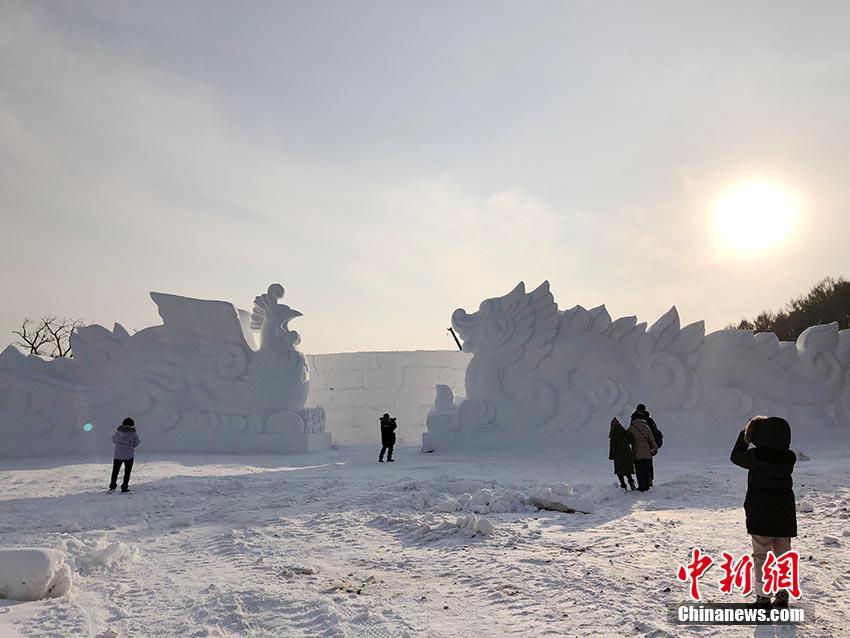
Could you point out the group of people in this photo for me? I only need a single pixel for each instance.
(763, 447)
(632, 449)
(769, 505)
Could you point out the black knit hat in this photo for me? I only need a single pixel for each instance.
(641, 408)
(128, 421)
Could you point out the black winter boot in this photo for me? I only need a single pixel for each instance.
(780, 601)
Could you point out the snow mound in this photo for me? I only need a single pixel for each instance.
(805, 506)
(450, 495)
(428, 529)
(33, 574)
(559, 497)
(97, 554)
(483, 501)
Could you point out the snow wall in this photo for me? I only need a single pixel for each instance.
(356, 388)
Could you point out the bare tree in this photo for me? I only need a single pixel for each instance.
(60, 330)
(32, 336)
(49, 335)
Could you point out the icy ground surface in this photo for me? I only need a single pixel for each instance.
(335, 544)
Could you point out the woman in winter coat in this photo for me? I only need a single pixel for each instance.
(645, 448)
(769, 506)
(642, 413)
(126, 441)
(620, 451)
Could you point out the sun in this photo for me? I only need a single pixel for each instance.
(754, 216)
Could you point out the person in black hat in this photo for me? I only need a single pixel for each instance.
(388, 427)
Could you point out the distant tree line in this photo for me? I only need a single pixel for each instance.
(49, 336)
(828, 301)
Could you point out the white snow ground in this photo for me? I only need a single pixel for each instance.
(335, 544)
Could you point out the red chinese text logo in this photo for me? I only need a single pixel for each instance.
(782, 573)
(694, 570)
(777, 573)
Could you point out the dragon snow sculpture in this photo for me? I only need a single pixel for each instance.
(198, 373)
(535, 368)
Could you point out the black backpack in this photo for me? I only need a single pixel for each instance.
(659, 436)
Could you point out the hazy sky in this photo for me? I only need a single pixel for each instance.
(388, 162)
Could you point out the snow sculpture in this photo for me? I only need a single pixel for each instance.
(443, 417)
(537, 370)
(195, 384)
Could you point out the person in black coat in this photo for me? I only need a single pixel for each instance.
(620, 451)
(388, 426)
(769, 505)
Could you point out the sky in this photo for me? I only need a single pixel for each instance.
(388, 162)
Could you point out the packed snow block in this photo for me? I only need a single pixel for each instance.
(33, 574)
(560, 498)
(400, 383)
(421, 377)
(388, 378)
(415, 358)
(348, 380)
(328, 365)
(452, 377)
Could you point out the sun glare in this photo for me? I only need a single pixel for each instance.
(754, 216)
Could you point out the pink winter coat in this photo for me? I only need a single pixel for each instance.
(644, 444)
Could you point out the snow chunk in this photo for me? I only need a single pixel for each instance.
(428, 529)
(560, 498)
(805, 506)
(461, 495)
(476, 525)
(114, 555)
(831, 541)
(33, 574)
(448, 495)
(97, 554)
